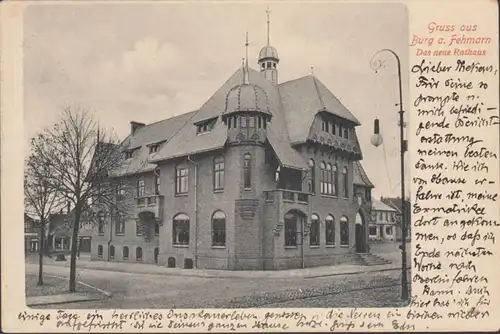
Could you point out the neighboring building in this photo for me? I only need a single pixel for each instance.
(264, 175)
(31, 235)
(384, 225)
(397, 204)
(61, 232)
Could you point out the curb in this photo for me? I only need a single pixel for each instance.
(90, 299)
(190, 274)
(104, 292)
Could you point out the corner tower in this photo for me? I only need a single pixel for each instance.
(268, 58)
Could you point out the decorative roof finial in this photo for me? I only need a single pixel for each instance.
(268, 22)
(312, 70)
(246, 74)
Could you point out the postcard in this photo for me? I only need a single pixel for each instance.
(291, 166)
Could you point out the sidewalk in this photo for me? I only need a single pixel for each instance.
(140, 268)
(60, 299)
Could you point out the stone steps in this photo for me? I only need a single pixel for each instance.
(368, 259)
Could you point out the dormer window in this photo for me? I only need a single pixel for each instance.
(153, 149)
(129, 154)
(206, 126)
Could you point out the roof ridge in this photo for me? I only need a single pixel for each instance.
(296, 79)
(321, 102)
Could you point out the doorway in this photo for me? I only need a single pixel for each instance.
(157, 251)
(360, 234)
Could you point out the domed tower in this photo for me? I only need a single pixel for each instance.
(246, 111)
(268, 58)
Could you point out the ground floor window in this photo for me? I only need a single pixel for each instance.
(373, 231)
(180, 230)
(344, 231)
(219, 229)
(138, 254)
(314, 231)
(125, 253)
(33, 246)
(330, 230)
(388, 230)
(290, 230)
(111, 252)
(99, 251)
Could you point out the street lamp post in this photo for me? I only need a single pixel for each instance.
(376, 140)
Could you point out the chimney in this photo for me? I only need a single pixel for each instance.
(135, 125)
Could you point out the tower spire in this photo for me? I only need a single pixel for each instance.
(268, 23)
(245, 76)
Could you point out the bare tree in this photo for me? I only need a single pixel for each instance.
(41, 199)
(80, 155)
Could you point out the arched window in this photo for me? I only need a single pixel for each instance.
(219, 229)
(247, 171)
(344, 231)
(111, 252)
(138, 254)
(330, 230)
(335, 180)
(290, 230)
(312, 179)
(346, 182)
(180, 229)
(99, 251)
(125, 253)
(314, 231)
(323, 185)
(329, 179)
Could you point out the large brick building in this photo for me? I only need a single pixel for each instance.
(264, 175)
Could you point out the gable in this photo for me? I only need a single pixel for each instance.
(302, 99)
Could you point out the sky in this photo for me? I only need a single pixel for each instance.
(146, 62)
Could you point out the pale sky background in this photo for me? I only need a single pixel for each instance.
(149, 61)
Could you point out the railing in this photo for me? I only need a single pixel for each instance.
(151, 203)
(148, 200)
(286, 195)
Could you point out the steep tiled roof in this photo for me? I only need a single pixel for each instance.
(302, 99)
(360, 177)
(379, 206)
(188, 142)
(153, 133)
(293, 105)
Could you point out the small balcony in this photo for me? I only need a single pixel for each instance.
(150, 203)
(287, 196)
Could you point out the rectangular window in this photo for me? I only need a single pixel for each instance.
(153, 149)
(181, 181)
(139, 228)
(388, 230)
(141, 188)
(157, 184)
(373, 231)
(344, 233)
(346, 133)
(324, 125)
(128, 154)
(219, 173)
(251, 122)
(334, 127)
(120, 192)
(243, 120)
(120, 225)
(247, 171)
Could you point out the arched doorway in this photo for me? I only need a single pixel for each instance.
(360, 233)
(295, 222)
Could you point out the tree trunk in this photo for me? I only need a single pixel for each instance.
(41, 250)
(74, 240)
